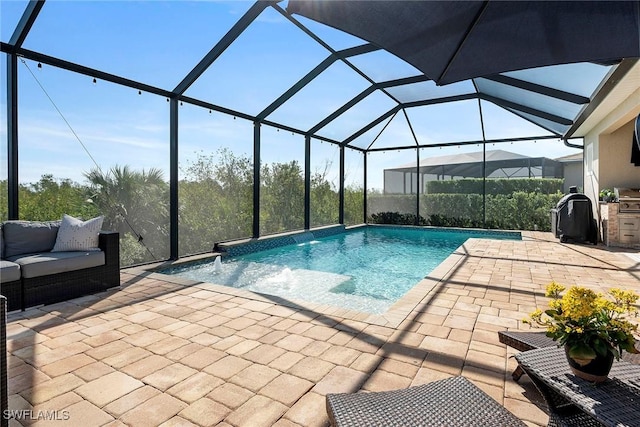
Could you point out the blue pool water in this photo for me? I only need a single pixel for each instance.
(365, 269)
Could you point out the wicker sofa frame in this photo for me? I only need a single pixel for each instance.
(4, 387)
(53, 288)
(13, 293)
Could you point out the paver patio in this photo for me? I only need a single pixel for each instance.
(165, 351)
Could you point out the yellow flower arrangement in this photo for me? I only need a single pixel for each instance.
(587, 323)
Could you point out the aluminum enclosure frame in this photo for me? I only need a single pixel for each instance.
(16, 52)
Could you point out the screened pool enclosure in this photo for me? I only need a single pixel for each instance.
(192, 123)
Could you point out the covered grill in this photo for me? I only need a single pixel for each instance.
(572, 219)
(629, 199)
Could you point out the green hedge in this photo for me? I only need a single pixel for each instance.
(522, 211)
(517, 211)
(403, 203)
(468, 206)
(397, 218)
(496, 186)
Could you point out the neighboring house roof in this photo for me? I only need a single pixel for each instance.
(470, 164)
(466, 158)
(571, 158)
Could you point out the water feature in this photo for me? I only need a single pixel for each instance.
(217, 264)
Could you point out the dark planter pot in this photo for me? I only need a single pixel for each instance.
(595, 371)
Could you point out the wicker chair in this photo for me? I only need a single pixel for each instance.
(450, 402)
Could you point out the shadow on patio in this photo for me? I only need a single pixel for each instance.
(155, 352)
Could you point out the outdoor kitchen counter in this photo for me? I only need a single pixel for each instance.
(619, 228)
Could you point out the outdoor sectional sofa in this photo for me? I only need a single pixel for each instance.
(32, 274)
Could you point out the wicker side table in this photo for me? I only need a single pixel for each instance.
(525, 340)
(614, 402)
(452, 402)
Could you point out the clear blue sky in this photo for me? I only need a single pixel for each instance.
(158, 42)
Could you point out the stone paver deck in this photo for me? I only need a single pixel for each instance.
(161, 351)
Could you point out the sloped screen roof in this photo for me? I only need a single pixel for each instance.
(458, 40)
(385, 85)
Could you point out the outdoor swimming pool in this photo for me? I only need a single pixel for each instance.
(365, 269)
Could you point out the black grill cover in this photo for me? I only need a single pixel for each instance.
(572, 219)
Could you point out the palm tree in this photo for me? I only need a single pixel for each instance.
(135, 204)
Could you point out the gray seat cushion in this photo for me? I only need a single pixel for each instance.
(9, 271)
(28, 237)
(43, 264)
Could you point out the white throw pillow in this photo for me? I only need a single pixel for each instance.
(77, 235)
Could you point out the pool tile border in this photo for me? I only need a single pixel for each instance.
(504, 233)
(243, 247)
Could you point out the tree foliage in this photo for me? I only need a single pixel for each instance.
(215, 200)
(353, 205)
(281, 197)
(50, 198)
(325, 201)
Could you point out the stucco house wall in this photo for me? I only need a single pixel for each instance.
(616, 169)
(607, 152)
(573, 175)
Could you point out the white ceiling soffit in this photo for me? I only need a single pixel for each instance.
(620, 106)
